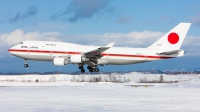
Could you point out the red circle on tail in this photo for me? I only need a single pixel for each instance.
(173, 38)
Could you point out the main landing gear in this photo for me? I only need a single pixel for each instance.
(91, 69)
(26, 63)
(82, 69)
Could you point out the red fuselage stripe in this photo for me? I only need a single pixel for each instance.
(103, 54)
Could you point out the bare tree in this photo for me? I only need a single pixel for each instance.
(110, 77)
(52, 79)
(82, 76)
(73, 78)
(36, 80)
(161, 80)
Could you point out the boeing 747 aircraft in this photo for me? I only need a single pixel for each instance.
(62, 53)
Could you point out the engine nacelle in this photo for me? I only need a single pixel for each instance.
(102, 61)
(59, 61)
(78, 59)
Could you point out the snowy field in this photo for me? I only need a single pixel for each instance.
(23, 93)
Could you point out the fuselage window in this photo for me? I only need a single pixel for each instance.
(21, 43)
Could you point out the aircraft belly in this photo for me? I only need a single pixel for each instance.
(121, 61)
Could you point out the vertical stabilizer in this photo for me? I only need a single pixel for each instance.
(173, 39)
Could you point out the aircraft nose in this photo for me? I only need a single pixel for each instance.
(11, 49)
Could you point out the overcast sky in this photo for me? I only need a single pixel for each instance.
(132, 23)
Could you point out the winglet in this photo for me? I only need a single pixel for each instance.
(110, 45)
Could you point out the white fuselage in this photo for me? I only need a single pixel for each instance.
(47, 51)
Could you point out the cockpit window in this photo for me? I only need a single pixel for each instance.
(21, 43)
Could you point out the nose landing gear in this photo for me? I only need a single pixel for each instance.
(26, 63)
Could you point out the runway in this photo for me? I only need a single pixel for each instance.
(99, 97)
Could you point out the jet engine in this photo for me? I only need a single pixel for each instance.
(59, 61)
(78, 59)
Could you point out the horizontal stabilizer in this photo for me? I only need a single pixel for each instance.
(170, 52)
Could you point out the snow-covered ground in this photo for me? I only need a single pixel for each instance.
(68, 93)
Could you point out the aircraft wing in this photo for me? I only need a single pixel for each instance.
(98, 51)
(169, 52)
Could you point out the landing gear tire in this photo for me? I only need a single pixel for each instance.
(90, 70)
(96, 70)
(82, 71)
(89, 67)
(80, 67)
(93, 69)
(26, 65)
